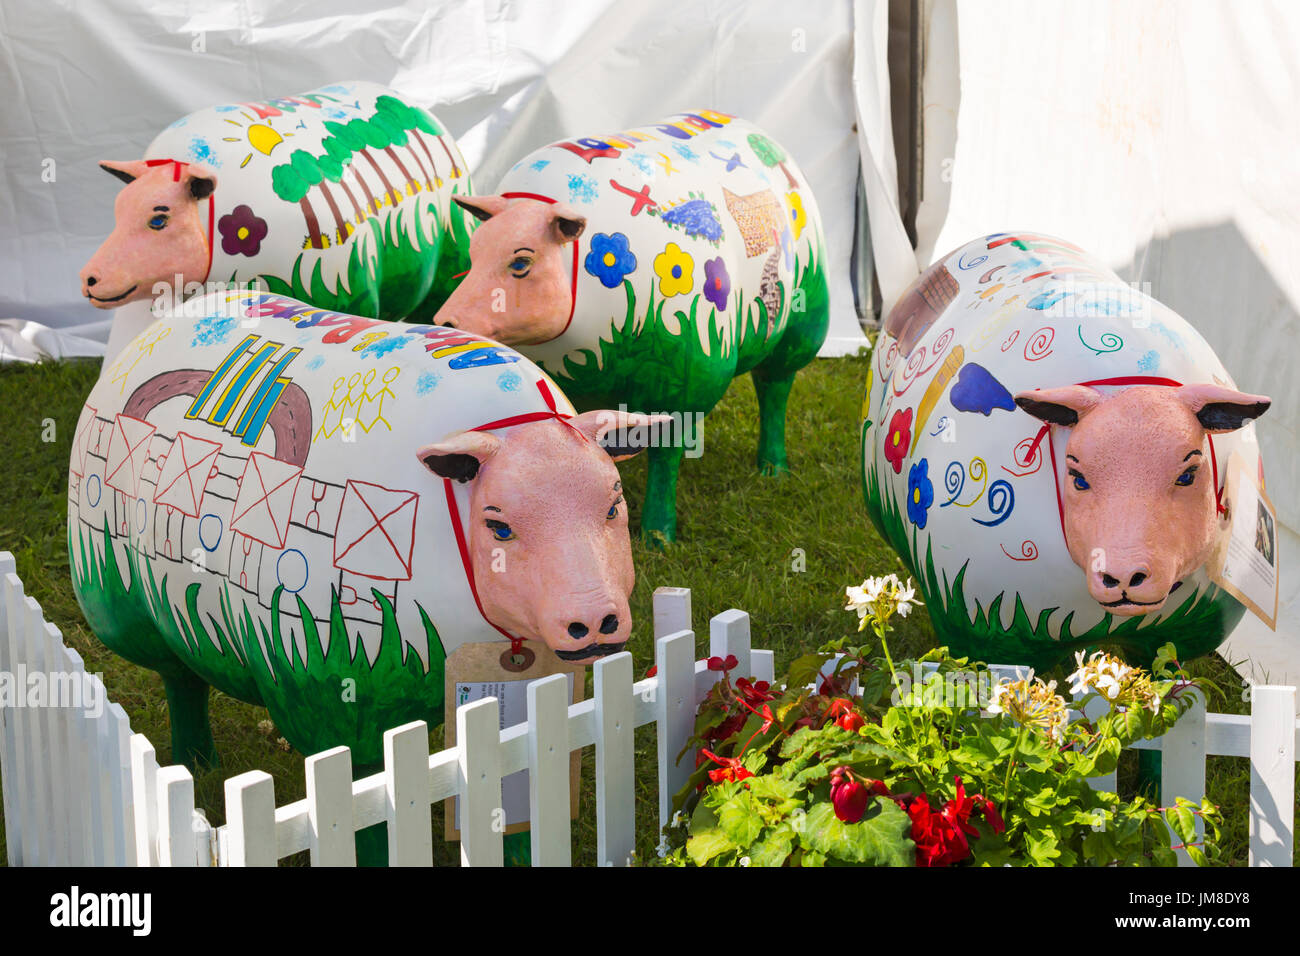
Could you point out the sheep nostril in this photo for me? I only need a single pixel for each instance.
(609, 625)
(1108, 581)
(91, 280)
(1137, 579)
(577, 630)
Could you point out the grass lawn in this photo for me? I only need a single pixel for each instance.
(781, 549)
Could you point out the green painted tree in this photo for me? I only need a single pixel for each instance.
(770, 154)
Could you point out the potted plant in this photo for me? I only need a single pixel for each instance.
(930, 762)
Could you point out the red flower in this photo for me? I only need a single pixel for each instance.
(839, 707)
(848, 796)
(938, 841)
(654, 669)
(755, 693)
(718, 664)
(729, 767)
(850, 722)
(899, 439)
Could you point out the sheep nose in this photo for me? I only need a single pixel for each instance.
(609, 625)
(91, 280)
(577, 630)
(1134, 579)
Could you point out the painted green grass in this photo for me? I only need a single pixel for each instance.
(738, 535)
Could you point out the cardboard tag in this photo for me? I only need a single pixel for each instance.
(1246, 562)
(488, 669)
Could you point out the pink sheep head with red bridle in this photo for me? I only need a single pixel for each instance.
(1140, 506)
(159, 233)
(547, 527)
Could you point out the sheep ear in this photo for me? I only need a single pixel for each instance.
(128, 171)
(1060, 406)
(460, 455)
(621, 434)
(482, 208)
(202, 183)
(1220, 409)
(568, 223)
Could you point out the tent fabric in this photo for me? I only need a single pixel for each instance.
(99, 81)
(1163, 138)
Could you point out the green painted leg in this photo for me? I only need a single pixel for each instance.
(659, 513)
(1148, 781)
(372, 842)
(187, 707)
(772, 396)
(518, 849)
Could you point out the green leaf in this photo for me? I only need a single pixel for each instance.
(775, 848)
(880, 838)
(703, 847)
(739, 820)
(1183, 822)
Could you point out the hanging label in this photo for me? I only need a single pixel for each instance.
(490, 669)
(1246, 562)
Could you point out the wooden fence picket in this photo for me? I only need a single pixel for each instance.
(548, 771)
(1182, 765)
(17, 781)
(42, 743)
(119, 764)
(478, 748)
(329, 802)
(615, 797)
(1272, 775)
(675, 706)
(144, 799)
(406, 772)
(250, 820)
(175, 800)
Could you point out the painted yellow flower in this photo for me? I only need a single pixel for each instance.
(798, 218)
(676, 271)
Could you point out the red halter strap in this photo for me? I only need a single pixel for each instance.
(176, 177)
(1118, 380)
(453, 509)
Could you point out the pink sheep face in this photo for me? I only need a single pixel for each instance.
(547, 529)
(518, 290)
(159, 234)
(1139, 497)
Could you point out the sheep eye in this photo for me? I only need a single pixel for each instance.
(158, 222)
(1186, 478)
(500, 530)
(520, 266)
(613, 509)
(1080, 483)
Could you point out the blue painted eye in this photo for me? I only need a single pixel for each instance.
(520, 267)
(500, 530)
(1080, 483)
(1186, 478)
(613, 512)
(158, 221)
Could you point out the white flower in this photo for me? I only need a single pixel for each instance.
(744, 861)
(906, 597)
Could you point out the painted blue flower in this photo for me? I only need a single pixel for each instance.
(920, 492)
(610, 259)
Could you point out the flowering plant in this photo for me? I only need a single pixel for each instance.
(858, 759)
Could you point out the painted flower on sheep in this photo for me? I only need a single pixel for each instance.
(899, 439)
(717, 283)
(610, 259)
(920, 492)
(798, 218)
(241, 232)
(675, 269)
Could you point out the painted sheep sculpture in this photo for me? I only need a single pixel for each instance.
(340, 197)
(648, 269)
(251, 507)
(1046, 448)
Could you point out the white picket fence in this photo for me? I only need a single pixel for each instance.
(80, 788)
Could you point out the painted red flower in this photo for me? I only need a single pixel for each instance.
(899, 439)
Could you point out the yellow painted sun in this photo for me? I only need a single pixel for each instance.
(261, 136)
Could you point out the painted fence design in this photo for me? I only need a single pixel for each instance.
(80, 788)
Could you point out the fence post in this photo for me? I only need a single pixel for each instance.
(1182, 764)
(1097, 707)
(250, 820)
(144, 798)
(548, 771)
(672, 611)
(482, 818)
(615, 797)
(83, 774)
(41, 768)
(1272, 775)
(675, 708)
(176, 843)
(329, 808)
(729, 634)
(123, 823)
(407, 790)
(12, 750)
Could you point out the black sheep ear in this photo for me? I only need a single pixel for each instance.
(460, 455)
(1220, 409)
(201, 187)
(1059, 406)
(456, 467)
